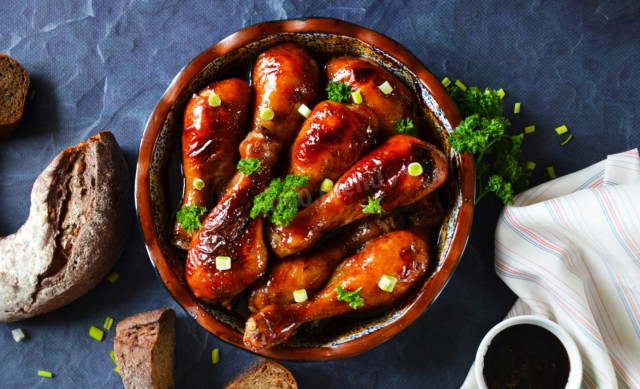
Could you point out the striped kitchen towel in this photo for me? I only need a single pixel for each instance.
(570, 249)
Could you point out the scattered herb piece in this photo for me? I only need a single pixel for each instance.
(501, 93)
(44, 373)
(248, 165)
(385, 88)
(530, 165)
(460, 85)
(189, 217)
(387, 283)
(108, 323)
(353, 298)
(564, 142)
(304, 110)
(267, 114)
(214, 100)
(372, 206)
(551, 173)
(198, 183)
(326, 185)
(113, 357)
(96, 333)
(482, 133)
(529, 129)
(446, 82)
(338, 91)
(280, 201)
(18, 335)
(215, 356)
(300, 295)
(223, 263)
(356, 97)
(117, 370)
(405, 126)
(415, 169)
(516, 108)
(562, 130)
(113, 277)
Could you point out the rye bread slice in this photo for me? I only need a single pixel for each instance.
(144, 348)
(14, 84)
(263, 374)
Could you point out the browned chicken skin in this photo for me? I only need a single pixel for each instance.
(284, 77)
(365, 76)
(311, 269)
(332, 139)
(382, 174)
(400, 254)
(426, 212)
(210, 140)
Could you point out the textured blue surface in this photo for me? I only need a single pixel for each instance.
(106, 64)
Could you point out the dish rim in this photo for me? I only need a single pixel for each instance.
(239, 39)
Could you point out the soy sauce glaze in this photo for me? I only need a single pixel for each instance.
(526, 356)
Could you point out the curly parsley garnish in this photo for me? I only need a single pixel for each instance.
(353, 298)
(482, 133)
(373, 206)
(189, 217)
(338, 91)
(248, 165)
(405, 126)
(280, 201)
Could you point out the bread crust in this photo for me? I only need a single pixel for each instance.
(263, 373)
(8, 125)
(144, 348)
(81, 207)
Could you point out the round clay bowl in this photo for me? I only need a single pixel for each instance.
(158, 181)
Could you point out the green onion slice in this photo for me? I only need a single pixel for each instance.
(215, 356)
(516, 108)
(108, 323)
(356, 97)
(304, 111)
(529, 129)
(446, 82)
(44, 373)
(96, 333)
(415, 169)
(267, 114)
(113, 277)
(18, 335)
(300, 295)
(460, 85)
(214, 100)
(564, 142)
(385, 88)
(223, 263)
(530, 165)
(387, 283)
(501, 93)
(326, 185)
(198, 183)
(551, 173)
(562, 130)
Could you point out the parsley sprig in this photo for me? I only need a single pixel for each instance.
(405, 126)
(372, 206)
(280, 201)
(248, 165)
(189, 217)
(353, 298)
(338, 91)
(482, 133)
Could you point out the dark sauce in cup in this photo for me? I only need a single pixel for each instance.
(526, 356)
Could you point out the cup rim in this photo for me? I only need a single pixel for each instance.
(575, 360)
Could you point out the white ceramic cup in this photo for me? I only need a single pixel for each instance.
(575, 361)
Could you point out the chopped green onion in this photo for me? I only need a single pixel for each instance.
(356, 97)
(18, 335)
(223, 263)
(415, 169)
(44, 373)
(267, 114)
(550, 172)
(446, 82)
(501, 93)
(300, 295)
(32, 95)
(562, 130)
(198, 183)
(215, 356)
(530, 165)
(564, 142)
(326, 185)
(113, 357)
(117, 370)
(113, 277)
(387, 283)
(96, 333)
(529, 129)
(385, 88)
(516, 108)
(460, 85)
(214, 100)
(304, 111)
(108, 323)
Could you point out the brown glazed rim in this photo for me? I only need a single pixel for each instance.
(239, 39)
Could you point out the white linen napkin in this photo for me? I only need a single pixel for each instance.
(570, 250)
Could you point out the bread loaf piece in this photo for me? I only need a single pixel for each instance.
(14, 84)
(144, 347)
(81, 207)
(263, 374)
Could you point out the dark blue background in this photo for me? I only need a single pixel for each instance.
(104, 65)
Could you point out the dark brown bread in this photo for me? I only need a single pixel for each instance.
(14, 84)
(263, 374)
(144, 347)
(81, 207)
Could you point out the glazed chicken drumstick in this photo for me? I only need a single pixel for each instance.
(311, 269)
(381, 177)
(332, 139)
(365, 76)
(210, 140)
(403, 255)
(284, 77)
